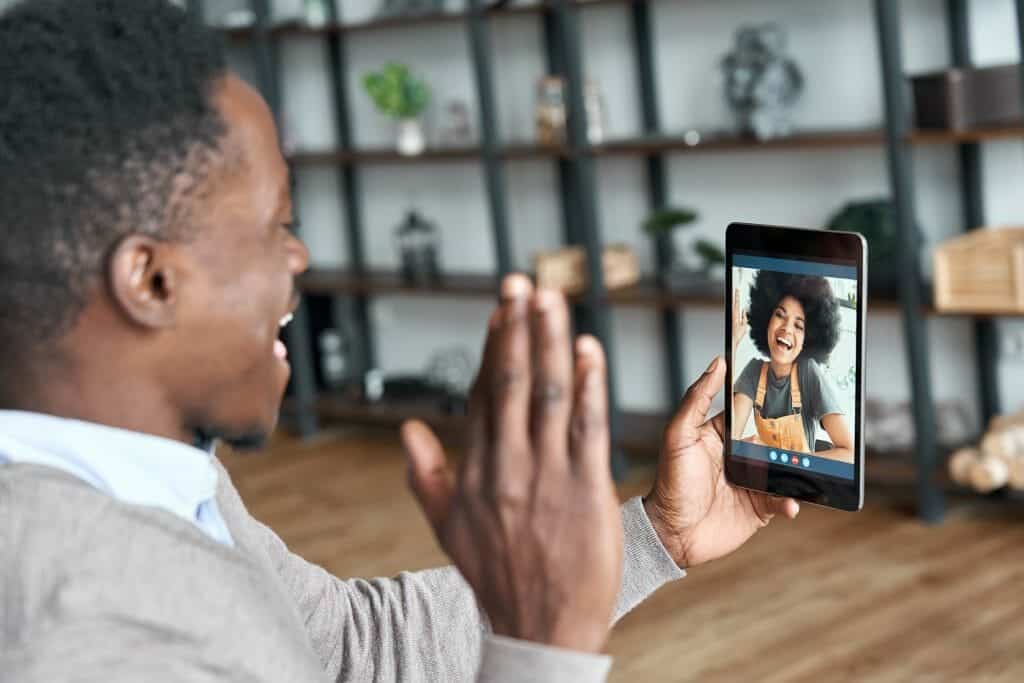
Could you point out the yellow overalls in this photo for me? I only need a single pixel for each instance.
(785, 432)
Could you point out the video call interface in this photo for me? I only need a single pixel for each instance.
(795, 367)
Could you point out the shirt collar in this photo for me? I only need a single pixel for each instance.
(132, 467)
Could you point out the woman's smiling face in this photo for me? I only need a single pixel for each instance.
(786, 331)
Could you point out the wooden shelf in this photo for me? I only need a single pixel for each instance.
(409, 21)
(939, 137)
(646, 146)
(388, 155)
(382, 155)
(433, 18)
(835, 139)
(725, 142)
(345, 281)
(386, 414)
(645, 294)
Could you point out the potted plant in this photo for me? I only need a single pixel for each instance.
(876, 220)
(660, 226)
(398, 94)
(712, 258)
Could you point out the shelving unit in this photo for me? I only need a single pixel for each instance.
(576, 163)
(644, 294)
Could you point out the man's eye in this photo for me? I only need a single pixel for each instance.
(292, 226)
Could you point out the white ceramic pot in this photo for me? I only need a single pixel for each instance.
(410, 137)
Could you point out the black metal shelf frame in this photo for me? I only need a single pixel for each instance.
(986, 341)
(578, 192)
(897, 114)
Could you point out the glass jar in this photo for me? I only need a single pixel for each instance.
(551, 111)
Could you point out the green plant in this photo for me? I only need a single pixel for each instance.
(710, 253)
(664, 221)
(396, 92)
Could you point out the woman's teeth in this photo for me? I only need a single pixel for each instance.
(285, 320)
(782, 342)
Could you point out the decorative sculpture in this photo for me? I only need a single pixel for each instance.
(761, 82)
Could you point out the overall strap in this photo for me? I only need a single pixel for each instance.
(794, 391)
(762, 387)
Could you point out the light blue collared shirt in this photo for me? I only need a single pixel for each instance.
(134, 468)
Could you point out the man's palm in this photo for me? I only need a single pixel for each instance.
(698, 515)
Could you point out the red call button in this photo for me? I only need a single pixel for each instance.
(795, 460)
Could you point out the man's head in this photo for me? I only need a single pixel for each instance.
(145, 215)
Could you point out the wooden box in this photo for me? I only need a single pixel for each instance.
(981, 272)
(566, 269)
(964, 99)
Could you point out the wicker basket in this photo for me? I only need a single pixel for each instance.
(981, 272)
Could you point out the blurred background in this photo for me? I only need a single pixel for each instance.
(603, 147)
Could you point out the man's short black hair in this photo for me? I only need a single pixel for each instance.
(107, 124)
(821, 311)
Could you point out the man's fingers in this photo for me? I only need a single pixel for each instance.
(429, 476)
(479, 408)
(693, 411)
(478, 399)
(552, 384)
(506, 465)
(589, 433)
(767, 506)
(789, 507)
(478, 392)
(510, 369)
(698, 398)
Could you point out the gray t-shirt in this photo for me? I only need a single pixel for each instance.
(816, 390)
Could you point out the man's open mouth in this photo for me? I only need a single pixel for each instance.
(280, 350)
(785, 343)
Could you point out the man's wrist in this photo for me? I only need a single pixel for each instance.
(669, 540)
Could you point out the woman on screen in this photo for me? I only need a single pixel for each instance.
(794, 322)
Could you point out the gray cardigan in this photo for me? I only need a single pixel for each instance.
(94, 589)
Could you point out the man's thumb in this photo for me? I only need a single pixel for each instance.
(693, 411)
(429, 476)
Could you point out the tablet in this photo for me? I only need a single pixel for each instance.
(795, 344)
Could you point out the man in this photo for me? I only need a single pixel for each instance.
(147, 263)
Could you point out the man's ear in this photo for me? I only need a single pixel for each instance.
(144, 276)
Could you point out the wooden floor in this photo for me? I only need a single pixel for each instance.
(873, 596)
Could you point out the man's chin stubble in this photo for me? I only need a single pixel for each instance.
(239, 440)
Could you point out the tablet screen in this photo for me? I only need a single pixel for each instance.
(795, 363)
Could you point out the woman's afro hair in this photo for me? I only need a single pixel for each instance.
(821, 311)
